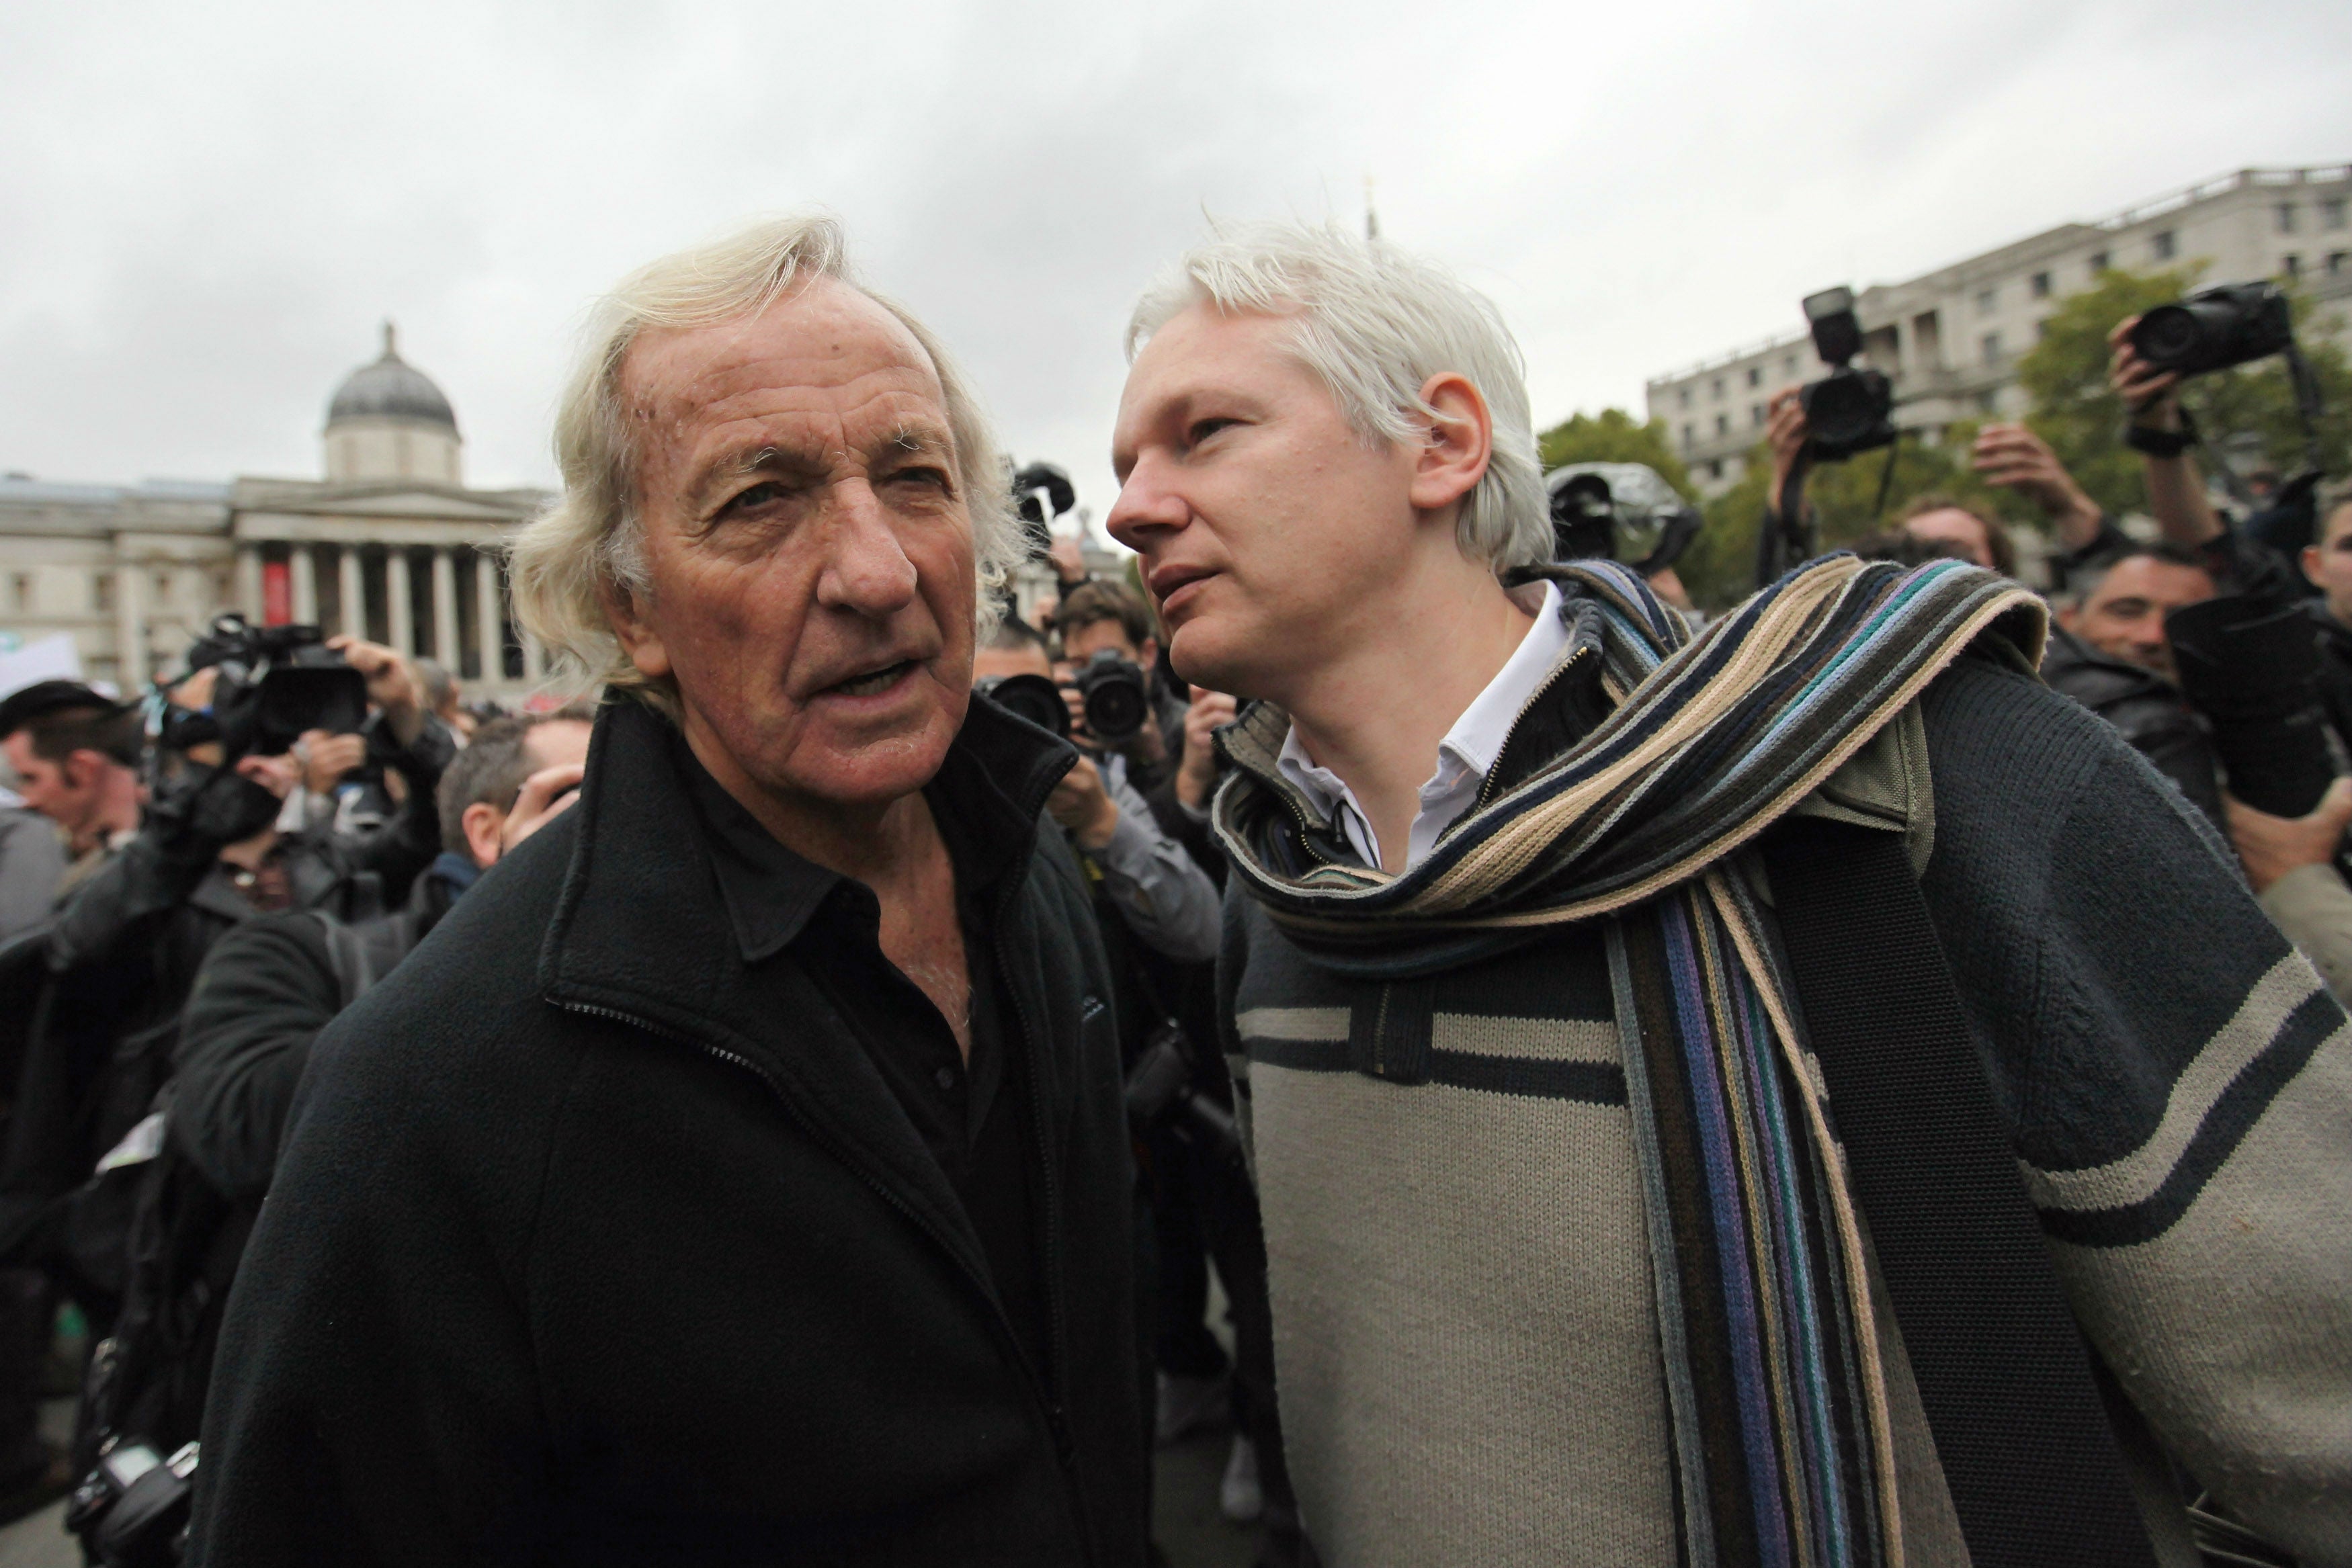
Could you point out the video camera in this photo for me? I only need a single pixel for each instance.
(1849, 410)
(1159, 1087)
(1619, 511)
(275, 684)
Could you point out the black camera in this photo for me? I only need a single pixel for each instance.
(2249, 664)
(2214, 329)
(1619, 511)
(1033, 698)
(131, 1510)
(1116, 697)
(1849, 410)
(1160, 1088)
(276, 682)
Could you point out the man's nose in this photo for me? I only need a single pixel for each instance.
(866, 569)
(1147, 504)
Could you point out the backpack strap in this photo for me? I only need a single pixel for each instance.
(2004, 1376)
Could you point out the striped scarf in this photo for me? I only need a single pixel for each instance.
(1775, 1391)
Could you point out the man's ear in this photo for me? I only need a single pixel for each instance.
(2069, 612)
(1150, 650)
(481, 822)
(1461, 443)
(2309, 560)
(638, 639)
(83, 768)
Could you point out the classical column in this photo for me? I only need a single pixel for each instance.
(352, 609)
(401, 619)
(305, 570)
(444, 610)
(248, 583)
(489, 606)
(131, 659)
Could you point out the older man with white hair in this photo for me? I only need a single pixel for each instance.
(740, 1174)
(1645, 1036)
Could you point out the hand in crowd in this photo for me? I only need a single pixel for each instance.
(1080, 803)
(392, 685)
(278, 774)
(326, 758)
(1197, 774)
(2272, 846)
(544, 795)
(2012, 457)
(1788, 430)
(1069, 560)
(2152, 395)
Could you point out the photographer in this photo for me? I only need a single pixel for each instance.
(1097, 618)
(2326, 564)
(264, 992)
(76, 758)
(127, 943)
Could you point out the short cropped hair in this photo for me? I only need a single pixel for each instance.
(1997, 537)
(1098, 600)
(115, 734)
(492, 770)
(1014, 635)
(1375, 322)
(2082, 582)
(592, 536)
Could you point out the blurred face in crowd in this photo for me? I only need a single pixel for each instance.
(2123, 616)
(1273, 535)
(2328, 563)
(69, 790)
(1026, 660)
(555, 743)
(1080, 643)
(809, 548)
(1962, 532)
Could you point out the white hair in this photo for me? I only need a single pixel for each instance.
(592, 537)
(1374, 323)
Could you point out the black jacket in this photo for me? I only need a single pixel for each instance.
(2148, 712)
(593, 1242)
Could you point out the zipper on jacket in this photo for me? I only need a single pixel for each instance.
(1486, 785)
(1057, 1423)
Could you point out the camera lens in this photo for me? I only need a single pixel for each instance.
(2167, 336)
(1033, 698)
(1116, 710)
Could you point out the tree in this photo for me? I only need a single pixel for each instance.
(2066, 375)
(1612, 435)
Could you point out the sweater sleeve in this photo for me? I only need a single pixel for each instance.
(265, 991)
(2178, 1085)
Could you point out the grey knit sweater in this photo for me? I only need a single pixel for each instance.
(1466, 1333)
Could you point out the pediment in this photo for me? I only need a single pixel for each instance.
(437, 504)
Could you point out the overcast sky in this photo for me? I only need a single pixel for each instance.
(205, 210)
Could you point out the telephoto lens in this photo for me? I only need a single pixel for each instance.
(2214, 329)
(1117, 701)
(1033, 698)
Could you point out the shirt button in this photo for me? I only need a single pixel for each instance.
(945, 1078)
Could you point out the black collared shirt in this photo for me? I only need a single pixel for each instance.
(973, 1116)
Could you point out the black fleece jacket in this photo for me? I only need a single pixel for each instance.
(594, 1242)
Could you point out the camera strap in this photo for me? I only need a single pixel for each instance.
(2036, 1476)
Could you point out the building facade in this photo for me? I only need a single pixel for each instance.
(1950, 340)
(391, 546)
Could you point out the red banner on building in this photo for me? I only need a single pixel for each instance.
(277, 593)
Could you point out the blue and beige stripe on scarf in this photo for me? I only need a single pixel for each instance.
(1775, 1391)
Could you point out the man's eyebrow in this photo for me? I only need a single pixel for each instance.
(742, 462)
(917, 436)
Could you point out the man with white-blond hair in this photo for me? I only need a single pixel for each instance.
(738, 1174)
(1642, 1037)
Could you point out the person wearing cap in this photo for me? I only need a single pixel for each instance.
(75, 756)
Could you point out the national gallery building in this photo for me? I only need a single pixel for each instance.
(391, 545)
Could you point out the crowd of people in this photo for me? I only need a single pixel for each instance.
(788, 1106)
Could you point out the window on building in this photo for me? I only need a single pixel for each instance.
(20, 590)
(164, 587)
(2099, 261)
(1755, 375)
(1715, 469)
(2292, 265)
(2041, 285)
(1690, 436)
(2167, 245)
(2336, 261)
(1717, 389)
(1993, 348)
(1987, 402)
(2331, 213)
(101, 592)
(1681, 398)
(1755, 415)
(2287, 218)
(1986, 298)
(1723, 425)
(1789, 365)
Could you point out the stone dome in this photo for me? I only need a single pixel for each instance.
(391, 388)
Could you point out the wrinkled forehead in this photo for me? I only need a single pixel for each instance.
(1204, 349)
(821, 346)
